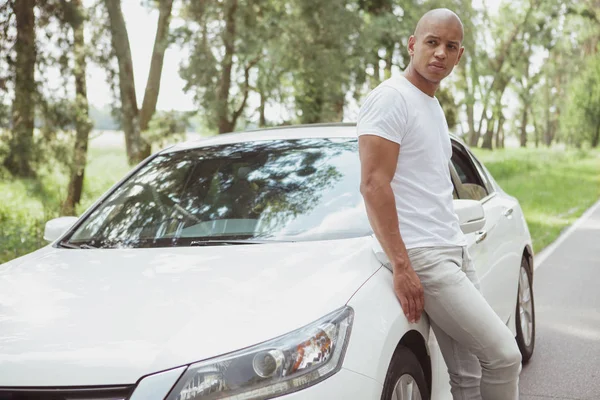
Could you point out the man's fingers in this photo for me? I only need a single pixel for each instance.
(413, 309)
(420, 306)
(404, 304)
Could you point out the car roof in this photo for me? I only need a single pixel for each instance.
(310, 131)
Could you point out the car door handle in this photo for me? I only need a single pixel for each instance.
(508, 212)
(481, 235)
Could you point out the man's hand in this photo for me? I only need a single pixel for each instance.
(409, 291)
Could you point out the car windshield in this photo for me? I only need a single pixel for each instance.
(250, 192)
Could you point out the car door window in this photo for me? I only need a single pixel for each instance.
(470, 183)
(482, 174)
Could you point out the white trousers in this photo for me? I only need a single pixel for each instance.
(480, 351)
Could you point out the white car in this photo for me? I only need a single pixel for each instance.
(243, 267)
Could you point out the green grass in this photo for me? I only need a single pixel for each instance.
(554, 187)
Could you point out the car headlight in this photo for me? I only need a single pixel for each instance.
(283, 365)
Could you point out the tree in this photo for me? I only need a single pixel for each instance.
(134, 120)
(229, 42)
(386, 24)
(583, 112)
(19, 158)
(161, 42)
(324, 36)
(471, 64)
(544, 33)
(268, 85)
(6, 72)
(75, 15)
(507, 35)
(449, 105)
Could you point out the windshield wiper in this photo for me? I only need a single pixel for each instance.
(209, 242)
(68, 245)
(75, 246)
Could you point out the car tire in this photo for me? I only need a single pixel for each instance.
(405, 378)
(525, 312)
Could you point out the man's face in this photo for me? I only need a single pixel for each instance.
(436, 49)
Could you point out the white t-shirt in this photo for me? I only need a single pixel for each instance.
(398, 111)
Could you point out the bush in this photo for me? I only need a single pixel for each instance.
(25, 206)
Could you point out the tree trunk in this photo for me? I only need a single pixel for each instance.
(469, 103)
(19, 158)
(161, 41)
(536, 130)
(225, 125)
(338, 108)
(312, 111)
(596, 137)
(500, 132)
(471, 122)
(524, 127)
(489, 134)
(83, 124)
(262, 122)
(136, 147)
(389, 59)
(379, 73)
(547, 133)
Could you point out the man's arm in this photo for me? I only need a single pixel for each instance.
(378, 158)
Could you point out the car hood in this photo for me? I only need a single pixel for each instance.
(99, 317)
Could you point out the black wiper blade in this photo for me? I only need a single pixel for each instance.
(232, 242)
(76, 246)
(68, 245)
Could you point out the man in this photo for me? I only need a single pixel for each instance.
(405, 151)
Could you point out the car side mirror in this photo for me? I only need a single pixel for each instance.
(471, 215)
(56, 227)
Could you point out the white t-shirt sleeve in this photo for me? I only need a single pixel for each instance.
(384, 113)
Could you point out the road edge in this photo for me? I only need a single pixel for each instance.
(548, 250)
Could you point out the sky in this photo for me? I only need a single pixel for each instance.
(141, 28)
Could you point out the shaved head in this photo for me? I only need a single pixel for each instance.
(435, 49)
(438, 16)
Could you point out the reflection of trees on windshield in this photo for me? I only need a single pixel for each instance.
(273, 183)
(134, 209)
(264, 184)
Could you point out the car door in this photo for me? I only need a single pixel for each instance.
(488, 246)
(507, 250)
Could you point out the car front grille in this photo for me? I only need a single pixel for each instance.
(68, 393)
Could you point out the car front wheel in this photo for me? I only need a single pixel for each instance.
(525, 312)
(405, 379)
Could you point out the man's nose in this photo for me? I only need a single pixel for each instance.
(440, 52)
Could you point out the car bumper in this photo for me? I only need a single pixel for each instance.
(346, 384)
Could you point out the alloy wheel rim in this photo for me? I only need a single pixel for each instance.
(525, 307)
(406, 389)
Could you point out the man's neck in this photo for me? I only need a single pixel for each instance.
(425, 86)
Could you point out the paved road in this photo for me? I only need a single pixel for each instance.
(566, 362)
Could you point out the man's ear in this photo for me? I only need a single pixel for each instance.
(460, 53)
(411, 45)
